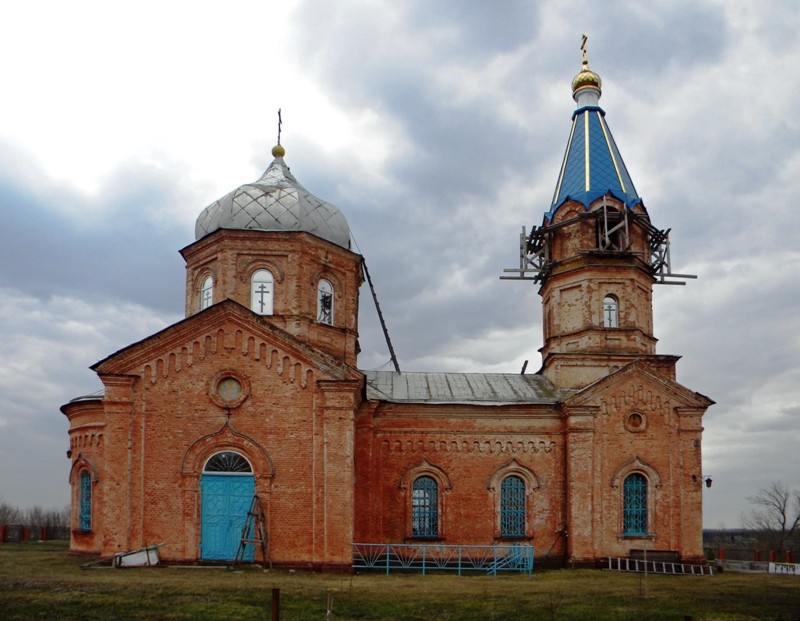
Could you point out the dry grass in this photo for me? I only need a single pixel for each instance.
(43, 581)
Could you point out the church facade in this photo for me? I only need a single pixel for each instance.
(255, 401)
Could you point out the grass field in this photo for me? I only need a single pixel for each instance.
(41, 581)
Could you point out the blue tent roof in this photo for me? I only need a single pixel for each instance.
(592, 165)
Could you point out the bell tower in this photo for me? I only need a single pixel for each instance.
(280, 251)
(596, 256)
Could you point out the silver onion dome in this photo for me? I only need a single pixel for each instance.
(276, 202)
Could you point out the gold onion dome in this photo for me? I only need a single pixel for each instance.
(586, 86)
(586, 79)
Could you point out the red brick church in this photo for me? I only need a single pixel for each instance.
(257, 393)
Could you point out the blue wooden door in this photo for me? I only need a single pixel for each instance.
(225, 501)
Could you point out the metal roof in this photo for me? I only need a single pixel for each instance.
(592, 165)
(276, 202)
(460, 388)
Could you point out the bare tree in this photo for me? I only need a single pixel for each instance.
(9, 514)
(776, 515)
(46, 518)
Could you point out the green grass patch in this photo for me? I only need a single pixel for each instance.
(42, 581)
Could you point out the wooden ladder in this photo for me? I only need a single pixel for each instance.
(254, 532)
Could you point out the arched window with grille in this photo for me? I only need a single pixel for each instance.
(512, 507)
(634, 505)
(85, 501)
(206, 292)
(227, 461)
(610, 312)
(262, 285)
(325, 302)
(425, 508)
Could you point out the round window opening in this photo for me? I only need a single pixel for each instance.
(229, 389)
(635, 422)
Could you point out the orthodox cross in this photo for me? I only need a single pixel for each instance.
(279, 125)
(262, 290)
(584, 38)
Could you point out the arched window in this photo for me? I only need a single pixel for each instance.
(610, 312)
(425, 508)
(512, 507)
(261, 292)
(325, 302)
(227, 461)
(206, 292)
(85, 502)
(634, 505)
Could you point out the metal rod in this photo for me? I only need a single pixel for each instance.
(380, 317)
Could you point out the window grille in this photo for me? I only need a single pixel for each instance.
(425, 508)
(634, 500)
(261, 292)
(228, 461)
(206, 292)
(512, 507)
(610, 312)
(325, 302)
(85, 511)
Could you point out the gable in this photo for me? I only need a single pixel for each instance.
(638, 383)
(225, 327)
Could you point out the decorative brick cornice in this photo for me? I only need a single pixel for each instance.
(394, 444)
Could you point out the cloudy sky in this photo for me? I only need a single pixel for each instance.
(438, 129)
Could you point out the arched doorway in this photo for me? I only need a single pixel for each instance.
(227, 487)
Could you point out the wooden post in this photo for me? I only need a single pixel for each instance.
(276, 604)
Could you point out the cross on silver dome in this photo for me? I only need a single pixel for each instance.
(276, 202)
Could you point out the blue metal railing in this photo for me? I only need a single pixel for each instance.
(426, 557)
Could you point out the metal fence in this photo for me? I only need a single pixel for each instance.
(750, 554)
(19, 533)
(657, 567)
(434, 557)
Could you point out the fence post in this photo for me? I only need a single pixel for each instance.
(773, 556)
(758, 556)
(721, 554)
(276, 604)
(789, 558)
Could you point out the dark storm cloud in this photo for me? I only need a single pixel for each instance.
(119, 243)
